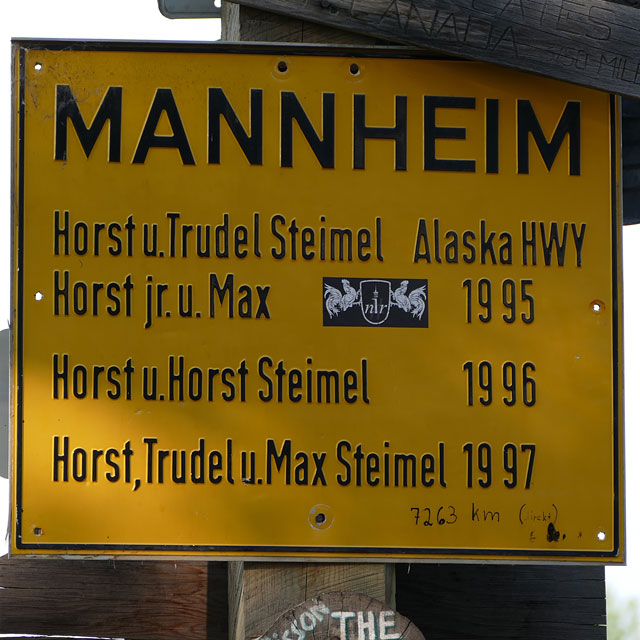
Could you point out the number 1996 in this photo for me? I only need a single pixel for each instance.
(517, 382)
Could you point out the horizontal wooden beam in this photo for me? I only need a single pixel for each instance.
(588, 42)
(502, 602)
(153, 600)
(161, 600)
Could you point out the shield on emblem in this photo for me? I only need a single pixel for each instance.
(375, 296)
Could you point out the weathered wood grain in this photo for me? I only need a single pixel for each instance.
(188, 600)
(631, 160)
(125, 599)
(248, 24)
(259, 593)
(589, 42)
(459, 602)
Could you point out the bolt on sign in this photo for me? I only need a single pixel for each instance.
(275, 301)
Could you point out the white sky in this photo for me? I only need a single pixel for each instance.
(141, 20)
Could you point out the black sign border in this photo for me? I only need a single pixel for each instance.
(400, 554)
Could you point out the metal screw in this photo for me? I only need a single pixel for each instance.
(282, 66)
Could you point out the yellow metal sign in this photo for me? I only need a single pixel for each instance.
(282, 302)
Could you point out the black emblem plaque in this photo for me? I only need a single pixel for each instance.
(375, 302)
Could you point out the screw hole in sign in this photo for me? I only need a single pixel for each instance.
(321, 516)
(282, 66)
(602, 536)
(597, 306)
(37, 66)
(354, 69)
(38, 296)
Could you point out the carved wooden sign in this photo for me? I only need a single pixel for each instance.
(588, 42)
(342, 615)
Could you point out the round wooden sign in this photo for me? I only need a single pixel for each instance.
(342, 615)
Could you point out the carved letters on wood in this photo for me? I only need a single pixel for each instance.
(589, 42)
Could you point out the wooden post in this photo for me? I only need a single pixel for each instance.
(260, 592)
(247, 24)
